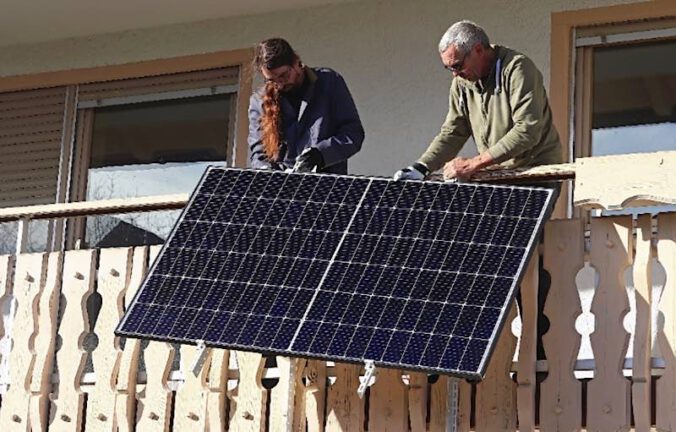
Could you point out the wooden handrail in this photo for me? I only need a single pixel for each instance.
(88, 208)
(178, 201)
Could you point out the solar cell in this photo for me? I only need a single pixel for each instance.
(414, 275)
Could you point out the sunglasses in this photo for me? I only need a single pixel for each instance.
(457, 66)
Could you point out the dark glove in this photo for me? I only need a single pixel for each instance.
(307, 161)
(417, 171)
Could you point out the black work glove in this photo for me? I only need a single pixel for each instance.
(307, 161)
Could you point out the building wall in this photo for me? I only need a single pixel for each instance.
(386, 50)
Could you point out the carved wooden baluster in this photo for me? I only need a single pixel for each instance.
(79, 270)
(315, 376)
(525, 392)
(285, 396)
(217, 398)
(249, 410)
(608, 392)
(561, 392)
(125, 386)
(496, 394)
(388, 402)
(190, 412)
(665, 397)
(417, 400)
(44, 344)
(345, 408)
(6, 312)
(440, 405)
(113, 279)
(643, 284)
(154, 404)
(29, 278)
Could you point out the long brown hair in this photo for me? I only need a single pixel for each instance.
(272, 53)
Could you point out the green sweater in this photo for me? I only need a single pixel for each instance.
(512, 122)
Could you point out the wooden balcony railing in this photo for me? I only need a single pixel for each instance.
(610, 314)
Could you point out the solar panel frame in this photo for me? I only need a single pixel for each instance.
(415, 346)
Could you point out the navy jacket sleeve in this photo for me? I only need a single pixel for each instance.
(257, 157)
(349, 132)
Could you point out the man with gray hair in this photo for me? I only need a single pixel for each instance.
(498, 97)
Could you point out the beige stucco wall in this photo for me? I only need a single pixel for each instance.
(386, 50)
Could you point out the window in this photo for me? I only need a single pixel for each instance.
(135, 143)
(625, 92)
(135, 129)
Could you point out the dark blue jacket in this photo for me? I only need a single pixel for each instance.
(327, 120)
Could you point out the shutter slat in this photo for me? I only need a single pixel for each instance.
(22, 129)
(31, 94)
(27, 113)
(31, 127)
(32, 103)
(159, 84)
(25, 139)
(11, 124)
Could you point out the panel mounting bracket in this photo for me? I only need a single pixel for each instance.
(200, 357)
(369, 376)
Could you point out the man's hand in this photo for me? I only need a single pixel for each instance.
(417, 171)
(462, 168)
(307, 161)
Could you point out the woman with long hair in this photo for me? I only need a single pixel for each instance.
(302, 118)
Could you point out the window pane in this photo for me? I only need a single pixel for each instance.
(634, 99)
(148, 149)
(634, 103)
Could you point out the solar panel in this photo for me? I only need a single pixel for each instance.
(414, 275)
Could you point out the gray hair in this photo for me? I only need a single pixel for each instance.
(463, 34)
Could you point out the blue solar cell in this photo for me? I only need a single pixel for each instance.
(394, 307)
(499, 291)
(359, 342)
(322, 189)
(427, 194)
(511, 262)
(523, 232)
(242, 182)
(474, 258)
(210, 181)
(356, 309)
(356, 191)
(395, 348)
(373, 311)
(305, 336)
(473, 355)
(337, 307)
(378, 343)
(285, 334)
(461, 199)
(450, 360)
(428, 318)
(480, 290)
(268, 329)
(480, 199)
(341, 340)
(486, 323)
(306, 188)
(434, 350)
(323, 337)
(415, 349)
(535, 204)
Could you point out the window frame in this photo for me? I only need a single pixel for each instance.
(74, 159)
(565, 69)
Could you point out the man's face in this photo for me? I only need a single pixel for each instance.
(287, 77)
(465, 65)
